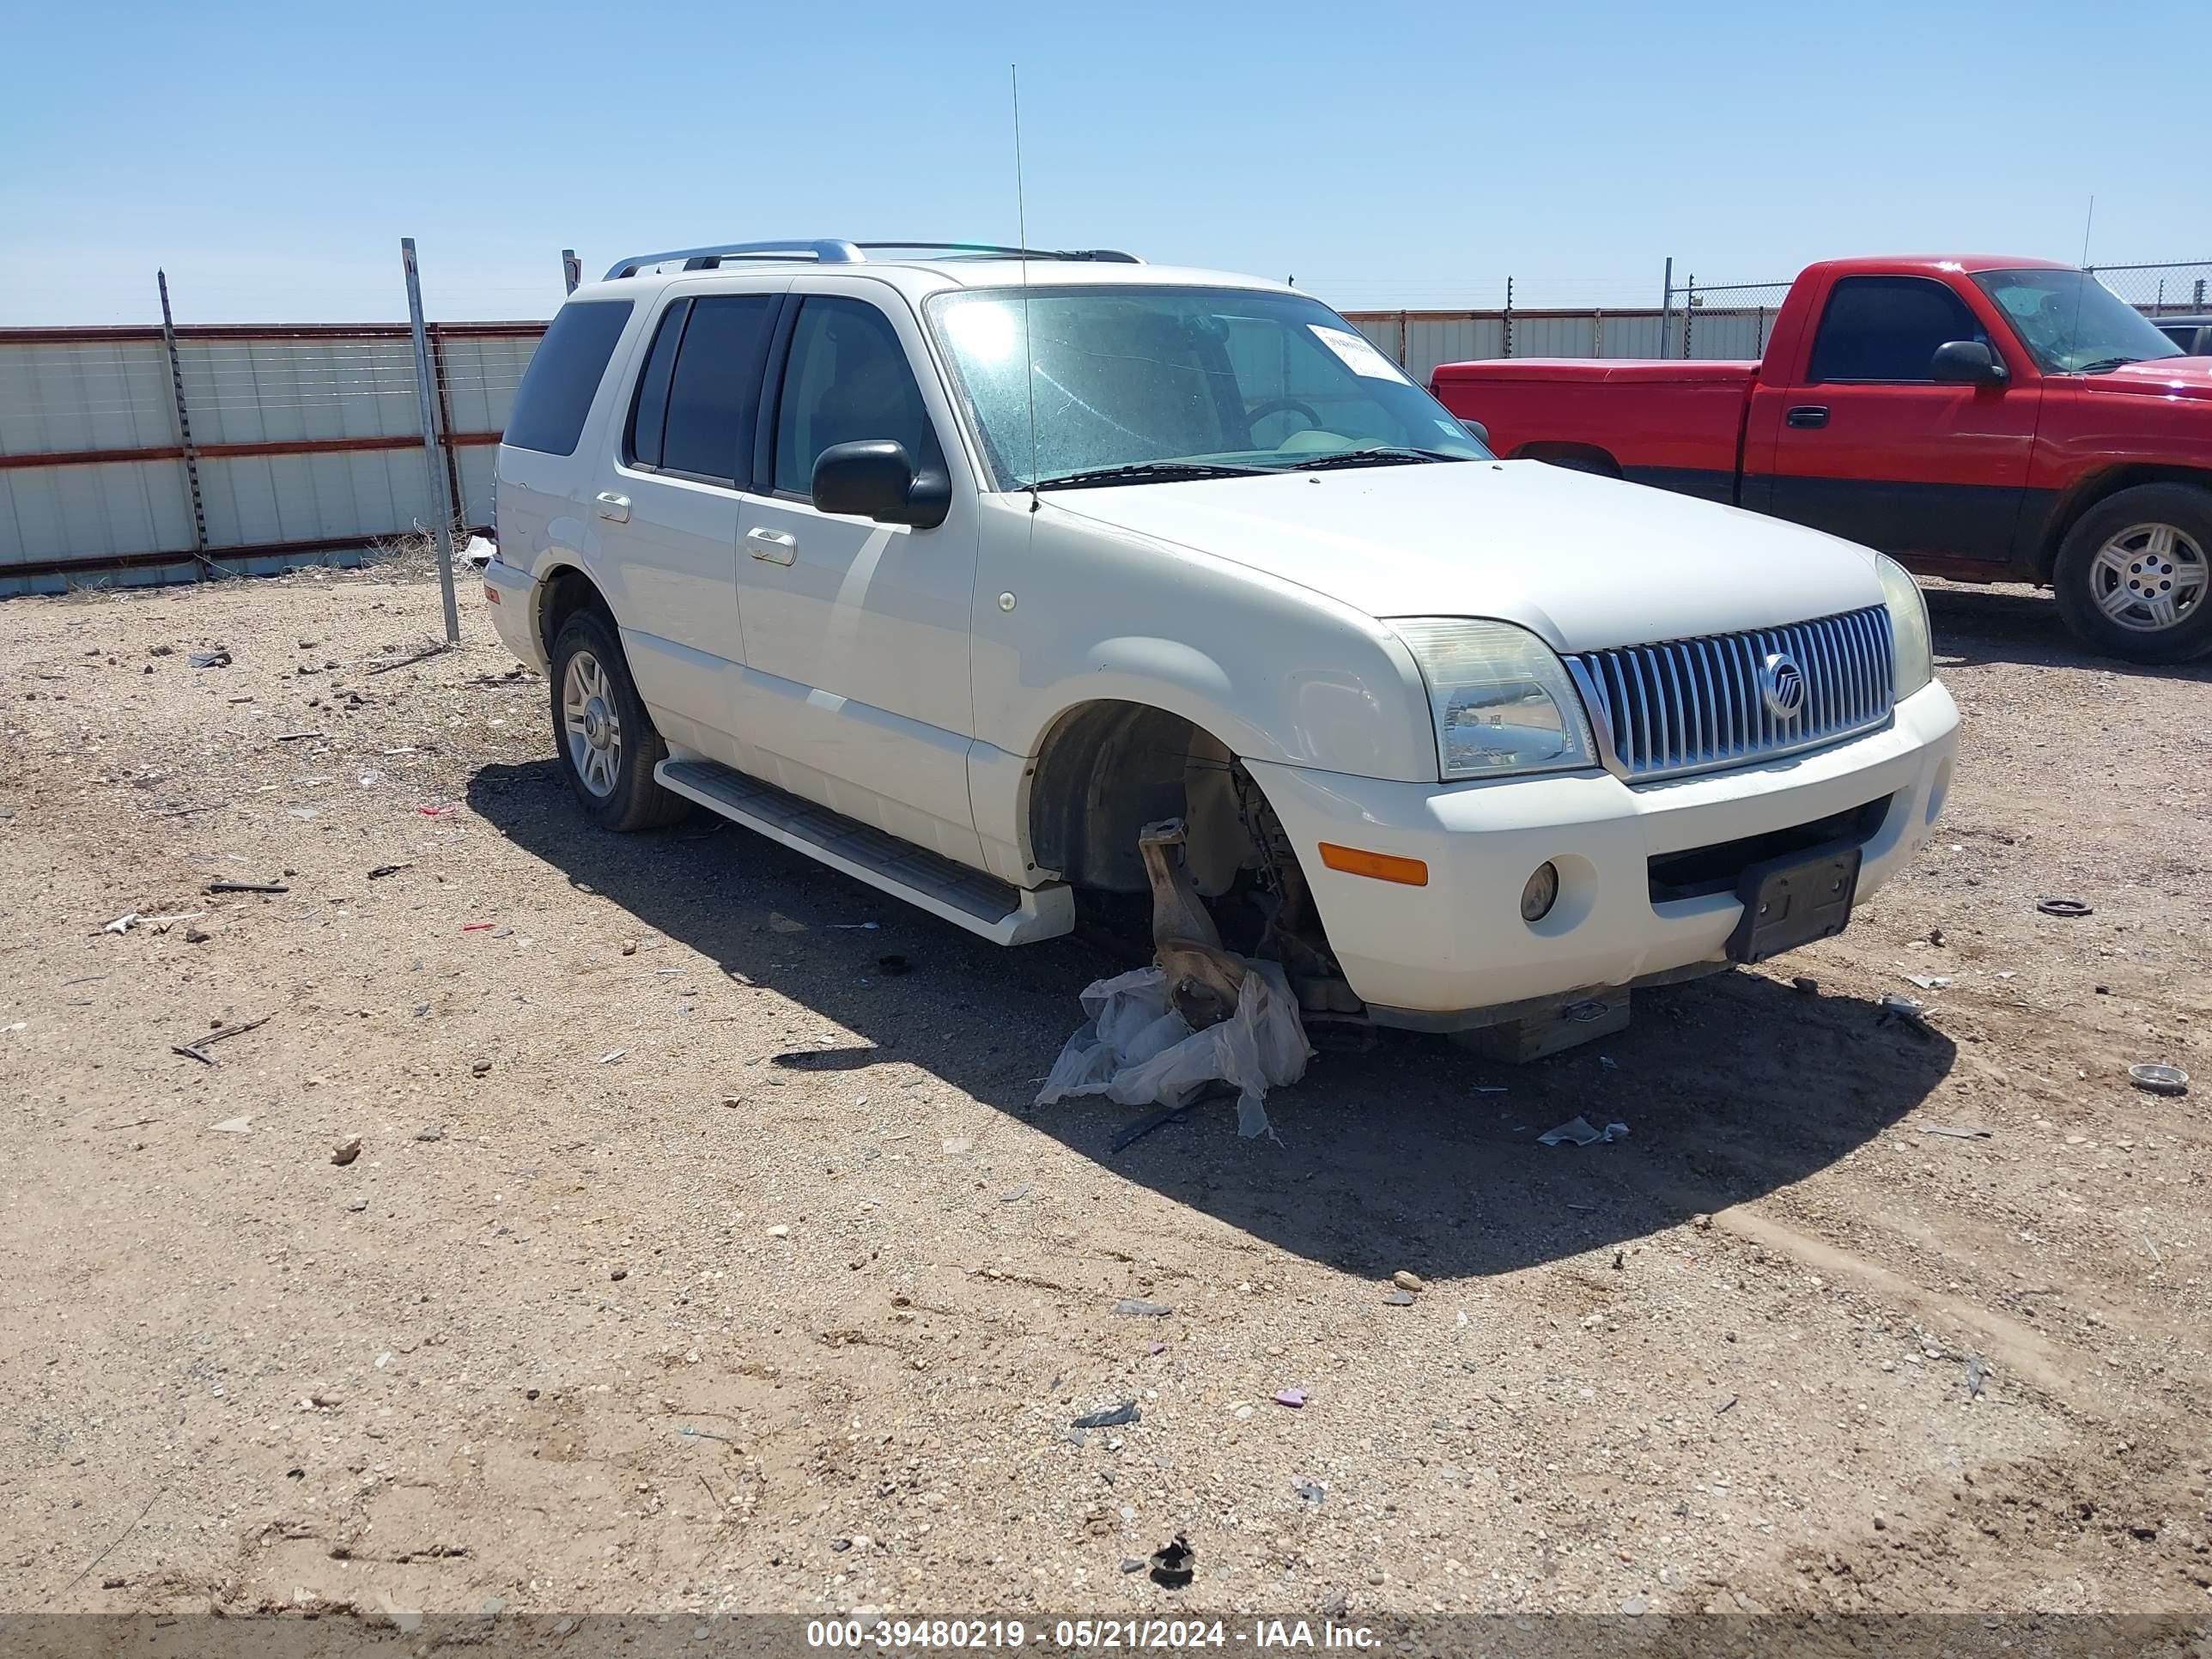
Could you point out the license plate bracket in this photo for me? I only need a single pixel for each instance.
(1795, 899)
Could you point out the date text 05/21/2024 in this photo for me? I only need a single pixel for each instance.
(1083, 1635)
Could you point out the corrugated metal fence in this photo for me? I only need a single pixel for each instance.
(308, 443)
(305, 438)
(1418, 340)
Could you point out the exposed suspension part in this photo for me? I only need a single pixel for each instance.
(1293, 935)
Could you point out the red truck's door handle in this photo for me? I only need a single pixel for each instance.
(1807, 414)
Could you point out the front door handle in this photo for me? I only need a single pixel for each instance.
(772, 546)
(1809, 415)
(613, 508)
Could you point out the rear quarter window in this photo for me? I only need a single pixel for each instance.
(557, 391)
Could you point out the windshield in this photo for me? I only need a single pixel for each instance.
(1137, 384)
(2071, 322)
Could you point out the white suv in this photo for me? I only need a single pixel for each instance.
(956, 568)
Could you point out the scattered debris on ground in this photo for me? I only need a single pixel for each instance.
(1174, 1563)
(584, 1266)
(1581, 1132)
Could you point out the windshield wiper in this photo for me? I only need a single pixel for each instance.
(2105, 365)
(1376, 455)
(1147, 472)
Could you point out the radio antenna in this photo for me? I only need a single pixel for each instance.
(2080, 288)
(1022, 237)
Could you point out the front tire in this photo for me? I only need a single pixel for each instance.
(2133, 576)
(607, 742)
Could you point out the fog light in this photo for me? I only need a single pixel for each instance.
(1542, 892)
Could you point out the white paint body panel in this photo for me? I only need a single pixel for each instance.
(908, 679)
(1460, 943)
(1583, 562)
(855, 692)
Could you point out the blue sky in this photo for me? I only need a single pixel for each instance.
(272, 155)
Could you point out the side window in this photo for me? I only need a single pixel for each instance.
(1887, 328)
(555, 398)
(848, 380)
(714, 389)
(648, 413)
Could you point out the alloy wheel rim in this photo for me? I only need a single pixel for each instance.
(2149, 577)
(591, 723)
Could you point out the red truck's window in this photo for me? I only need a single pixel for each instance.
(1887, 328)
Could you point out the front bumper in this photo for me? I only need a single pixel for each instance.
(511, 599)
(1421, 956)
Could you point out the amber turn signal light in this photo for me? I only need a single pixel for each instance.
(1382, 866)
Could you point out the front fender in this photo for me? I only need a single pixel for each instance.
(1371, 719)
(1273, 670)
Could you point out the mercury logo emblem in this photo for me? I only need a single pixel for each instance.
(1782, 685)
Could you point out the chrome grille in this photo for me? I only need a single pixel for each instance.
(1693, 705)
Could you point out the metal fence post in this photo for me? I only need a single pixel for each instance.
(1508, 318)
(1689, 312)
(1667, 306)
(425, 406)
(1597, 333)
(455, 499)
(572, 269)
(183, 424)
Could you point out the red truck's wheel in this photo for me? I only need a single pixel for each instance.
(2134, 577)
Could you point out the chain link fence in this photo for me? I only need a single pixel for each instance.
(1722, 320)
(2166, 290)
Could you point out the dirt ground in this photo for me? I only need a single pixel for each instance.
(691, 1260)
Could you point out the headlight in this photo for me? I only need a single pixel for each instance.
(1501, 699)
(1913, 654)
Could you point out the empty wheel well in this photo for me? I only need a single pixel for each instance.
(1106, 769)
(1580, 458)
(568, 590)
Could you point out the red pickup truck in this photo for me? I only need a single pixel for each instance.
(1981, 419)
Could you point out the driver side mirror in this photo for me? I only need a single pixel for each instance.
(877, 479)
(1966, 362)
(1479, 433)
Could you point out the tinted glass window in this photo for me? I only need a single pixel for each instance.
(1130, 376)
(1887, 328)
(2071, 322)
(556, 389)
(848, 380)
(648, 415)
(715, 393)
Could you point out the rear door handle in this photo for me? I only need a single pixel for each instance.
(1809, 415)
(613, 507)
(772, 546)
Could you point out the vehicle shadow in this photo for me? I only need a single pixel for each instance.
(1414, 1154)
(1977, 625)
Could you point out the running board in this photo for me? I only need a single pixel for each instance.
(997, 911)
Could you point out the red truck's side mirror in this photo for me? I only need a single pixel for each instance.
(1966, 362)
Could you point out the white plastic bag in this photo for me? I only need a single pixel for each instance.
(1135, 1048)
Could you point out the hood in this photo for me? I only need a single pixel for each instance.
(1584, 561)
(2161, 377)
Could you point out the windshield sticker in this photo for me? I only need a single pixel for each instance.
(1356, 354)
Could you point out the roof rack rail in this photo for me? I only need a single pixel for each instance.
(832, 251)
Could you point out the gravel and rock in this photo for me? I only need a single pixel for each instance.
(794, 1307)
